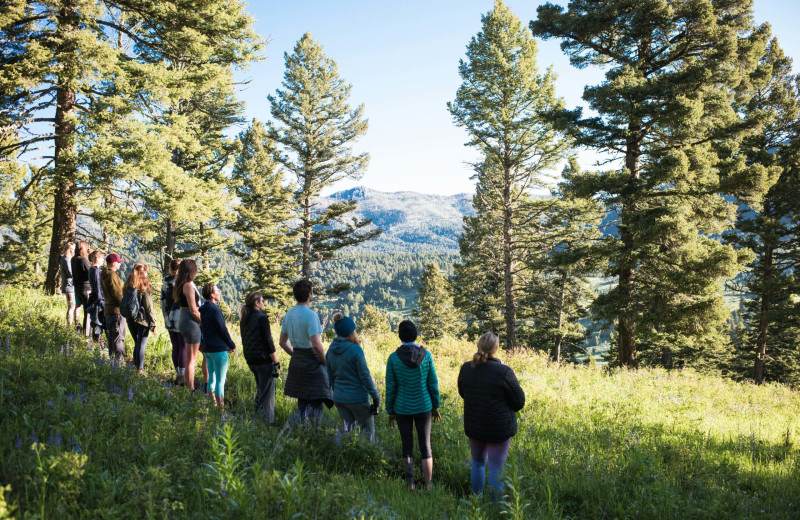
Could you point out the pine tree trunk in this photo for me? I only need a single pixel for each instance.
(763, 315)
(169, 246)
(626, 324)
(508, 264)
(560, 337)
(306, 240)
(65, 208)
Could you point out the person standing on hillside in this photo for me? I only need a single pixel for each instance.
(144, 322)
(259, 352)
(112, 292)
(96, 302)
(80, 279)
(491, 396)
(412, 399)
(171, 311)
(301, 338)
(189, 323)
(350, 379)
(217, 343)
(67, 285)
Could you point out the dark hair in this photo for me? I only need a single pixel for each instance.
(208, 290)
(138, 279)
(247, 309)
(83, 249)
(174, 264)
(187, 270)
(302, 290)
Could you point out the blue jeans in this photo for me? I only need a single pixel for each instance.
(139, 334)
(496, 454)
(217, 372)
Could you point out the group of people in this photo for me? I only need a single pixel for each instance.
(339, 377)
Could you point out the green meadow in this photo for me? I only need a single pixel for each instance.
(82, 438)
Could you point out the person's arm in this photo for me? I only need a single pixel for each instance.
(116, 288)
(391, 388)
(330, 371)
(513, 392)
(267, 331)
(148, 312)
(365, 376)
(433, 383)
(223, 327)
(283, 341)
(460, 375)
(188, 291)
(319, 350)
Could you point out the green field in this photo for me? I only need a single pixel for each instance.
(80, 438)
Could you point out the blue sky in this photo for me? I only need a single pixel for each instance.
(402, 60)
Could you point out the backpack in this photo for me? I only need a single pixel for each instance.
(129, 306)
(170, 308)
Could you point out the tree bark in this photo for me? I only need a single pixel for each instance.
(560, 337)
(65, 207)
(763, 314)
(508, 263)
(306, 240)
(626, 323)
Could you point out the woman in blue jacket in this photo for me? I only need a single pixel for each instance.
(217, 343)
(350, 379)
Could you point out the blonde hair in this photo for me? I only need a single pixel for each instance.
(69, 246)
(353, 337)
(488, 344)
(138, 278)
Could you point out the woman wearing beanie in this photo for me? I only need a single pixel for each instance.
(412, 399)
(350, 379)
(491, 396)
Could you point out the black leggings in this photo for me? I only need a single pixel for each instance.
(423, 424)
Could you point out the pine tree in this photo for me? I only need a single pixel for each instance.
(436, 316)
(770, 343)
(25, 207)
(374, 321)
(558, 292)
(263, 215)
(79, 78)
(665, 113)
(499, 104)
(316, 128)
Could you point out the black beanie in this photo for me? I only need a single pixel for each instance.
(407, 331)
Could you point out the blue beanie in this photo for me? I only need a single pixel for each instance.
(344, 327)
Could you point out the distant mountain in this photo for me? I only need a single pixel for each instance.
(411, 222)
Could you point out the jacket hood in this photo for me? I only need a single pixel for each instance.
(411, 355)
(339, 346)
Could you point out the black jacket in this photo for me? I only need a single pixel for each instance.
(491, 396)
(257, 343)
(215, 331)
(80, 274)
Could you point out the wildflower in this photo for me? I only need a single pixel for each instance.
(167, 393)
(55, 439)
(67, 349)
(130, 394)
(34, 439)
(17, 441)
(62, 350)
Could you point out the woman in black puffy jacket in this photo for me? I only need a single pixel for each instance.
(492, 396)
(259, 352)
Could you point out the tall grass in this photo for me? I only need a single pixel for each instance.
(82, 438)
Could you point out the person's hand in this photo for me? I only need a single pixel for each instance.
(391, 421)
(436, 416)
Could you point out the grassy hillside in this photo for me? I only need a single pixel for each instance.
(80, 438)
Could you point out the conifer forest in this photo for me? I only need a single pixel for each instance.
(635, 255)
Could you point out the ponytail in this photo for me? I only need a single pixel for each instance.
(487, 345)
(247, 308)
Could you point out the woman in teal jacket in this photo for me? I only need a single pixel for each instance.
(350, 379)
(412, 399)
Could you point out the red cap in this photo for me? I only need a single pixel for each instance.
(113, 257)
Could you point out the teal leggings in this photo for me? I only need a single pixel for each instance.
(217, 371)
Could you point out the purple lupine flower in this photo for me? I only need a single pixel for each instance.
(55, 439)
(34, 439)
(167, 393)
(67, 349)
(130, 394)
(62, 350)
(17, 441)
(49, 403)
